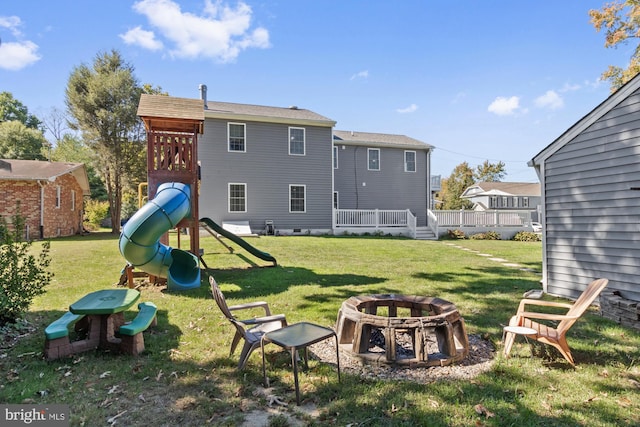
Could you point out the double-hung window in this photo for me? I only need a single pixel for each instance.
(296, 141)
(335, 157)
(237, 133)
(297, 198)
(409, 161)
(73, 200)
(373, 158)
(237, 197)
(58, 197)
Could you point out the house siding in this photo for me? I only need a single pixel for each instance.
(592, 217)
(388, 188)
(22, 196)
(268, 170)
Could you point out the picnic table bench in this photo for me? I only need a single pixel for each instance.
(101, 315)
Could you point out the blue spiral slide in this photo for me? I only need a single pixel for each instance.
(140, 238)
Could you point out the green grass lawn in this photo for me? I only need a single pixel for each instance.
(186, 377)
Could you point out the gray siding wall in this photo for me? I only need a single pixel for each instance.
(267, 169)
(388, 188)
(592, 217)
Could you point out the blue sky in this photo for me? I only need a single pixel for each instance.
(491, 80)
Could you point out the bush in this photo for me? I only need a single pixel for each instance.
(489, 235)
(23, 274)
(456, 234)
(527, 236)
(95, 211)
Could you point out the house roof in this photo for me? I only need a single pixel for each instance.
(292, 115)
(607, 105)
(502, 189)
(171, 113)
(378, 140)
(37, 170)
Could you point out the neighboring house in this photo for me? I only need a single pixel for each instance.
(48, 195)
(591, 207)
(503, 195)
(381, 171)
(262, 164)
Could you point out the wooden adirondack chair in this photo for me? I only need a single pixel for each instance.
(554, 336)
(250, 330)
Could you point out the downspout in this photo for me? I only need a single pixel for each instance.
(41, 209)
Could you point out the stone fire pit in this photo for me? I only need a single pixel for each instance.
(402, 329)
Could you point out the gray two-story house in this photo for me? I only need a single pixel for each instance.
(381, 171)
(266, 164)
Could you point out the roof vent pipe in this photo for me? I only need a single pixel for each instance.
(203, 95)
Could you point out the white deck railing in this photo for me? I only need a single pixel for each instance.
(376, 218)
(493, 218)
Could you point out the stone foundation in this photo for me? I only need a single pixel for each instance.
(619, 309)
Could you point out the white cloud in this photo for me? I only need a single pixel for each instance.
(12, 23)
(221, 32)
(143, 38)
(16, 55)
(568, 87)
(504, 106)
(410, 109)
(550, 100)
(362, 75)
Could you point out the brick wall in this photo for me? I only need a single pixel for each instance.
(61, 217)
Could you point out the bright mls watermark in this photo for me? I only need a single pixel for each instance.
(34, 415)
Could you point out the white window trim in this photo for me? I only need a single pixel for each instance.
(415, 161)
(335, 157)
(369, 150)
(336, 200)
(304, 141)
(244, 125)
(305, 198)
(58, 197)
(73, 200)
(246, 197)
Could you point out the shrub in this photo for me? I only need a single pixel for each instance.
(527, 236)
(23, 273)
(489, 235)
(95, 211)
(456, 234)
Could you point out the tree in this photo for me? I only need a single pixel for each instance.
(17, 141)
(489, 172)
(13, 110)
(454, 186)
(72, 149)
(103, 102)
(621, 21)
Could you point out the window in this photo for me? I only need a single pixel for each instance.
(373, 155)
(493, 203)
(73, 200)
(57, 197)
(296, 141)
(297, 198)
(335, 200)
(335, 157)
(525, 202)
(409, 161)
(237, 197)
(505, 201)
(237, 136)
(515, 201)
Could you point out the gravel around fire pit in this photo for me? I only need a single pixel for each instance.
(479, 360)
